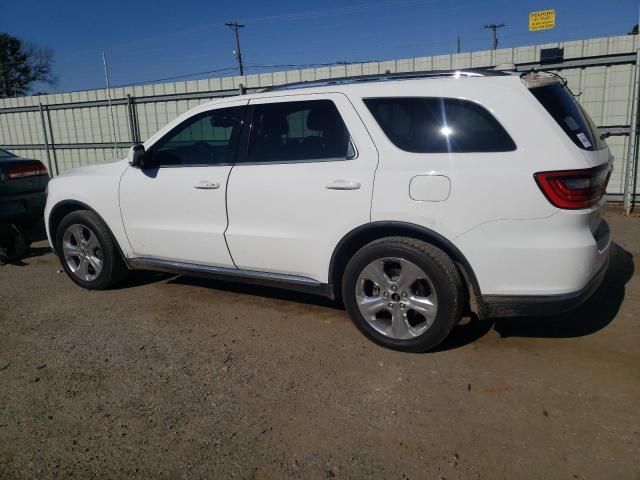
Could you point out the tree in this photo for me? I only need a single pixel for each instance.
(634, 30)
(21, 65)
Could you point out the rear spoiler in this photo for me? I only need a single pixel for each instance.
(540, 79)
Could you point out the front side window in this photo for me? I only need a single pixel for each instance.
(439, 125)
(209, 138)
(298, 131)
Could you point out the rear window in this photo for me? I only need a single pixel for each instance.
(439, 125)
(570, 115)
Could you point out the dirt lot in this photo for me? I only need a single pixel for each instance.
(170, 377)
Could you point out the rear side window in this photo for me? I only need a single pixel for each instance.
(298, 131)
(439, 125)
(568, 113)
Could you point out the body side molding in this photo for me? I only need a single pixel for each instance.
(278, 280)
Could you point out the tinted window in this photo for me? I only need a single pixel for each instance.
(439, 125)
(568, 113)
(298, 131)
(6, 154)
(208, 138)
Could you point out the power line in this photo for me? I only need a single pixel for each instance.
(176, 77)
(235, 26)
(247, 67)
(330, 12)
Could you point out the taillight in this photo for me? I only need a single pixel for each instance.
(574, 189)
(26, 170)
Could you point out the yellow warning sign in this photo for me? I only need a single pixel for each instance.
(542, 20)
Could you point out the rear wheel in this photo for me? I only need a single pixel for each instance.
(403, 293)
(88, 252)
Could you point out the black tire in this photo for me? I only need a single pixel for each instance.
(14, 243)
(113, 269)
(444, 278)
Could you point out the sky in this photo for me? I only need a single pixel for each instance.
(145, 41)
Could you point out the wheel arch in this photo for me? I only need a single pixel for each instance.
(65, 207)
(360, 236)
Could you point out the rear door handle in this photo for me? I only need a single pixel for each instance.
(206, 185)
(343, 185)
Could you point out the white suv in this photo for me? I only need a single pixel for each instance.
(409, 199)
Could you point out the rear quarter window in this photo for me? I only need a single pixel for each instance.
(439, 125)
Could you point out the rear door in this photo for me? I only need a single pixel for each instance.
(303, 180)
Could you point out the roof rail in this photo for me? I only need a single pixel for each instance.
(382, 77)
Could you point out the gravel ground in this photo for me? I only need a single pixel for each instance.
(171, 377)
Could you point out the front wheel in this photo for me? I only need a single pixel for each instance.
(87, 251)
(403, 293)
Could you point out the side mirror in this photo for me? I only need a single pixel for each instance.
(136, 155)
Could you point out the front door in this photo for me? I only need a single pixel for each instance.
(174, 208)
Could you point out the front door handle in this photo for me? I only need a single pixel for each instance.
(206, 185)
(343, 185)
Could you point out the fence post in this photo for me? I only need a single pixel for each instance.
(135, 120)
(52, 142)
(632, 150)
(46, 141)
(132, 125)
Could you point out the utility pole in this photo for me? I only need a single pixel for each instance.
(493, 27)
(458, 41)
(235, 26)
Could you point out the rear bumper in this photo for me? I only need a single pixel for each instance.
(22, 208)
(494, 306)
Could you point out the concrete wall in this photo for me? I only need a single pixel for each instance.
(606, 95)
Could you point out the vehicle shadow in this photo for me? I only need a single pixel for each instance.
(36, 233)
(139, 278)
(31, 253)
(257, 290)
(595, 314)
(592, 316)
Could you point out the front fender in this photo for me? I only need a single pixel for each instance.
(95, 189)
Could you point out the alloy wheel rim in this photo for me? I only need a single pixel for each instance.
(396, 298)
(82, 252)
